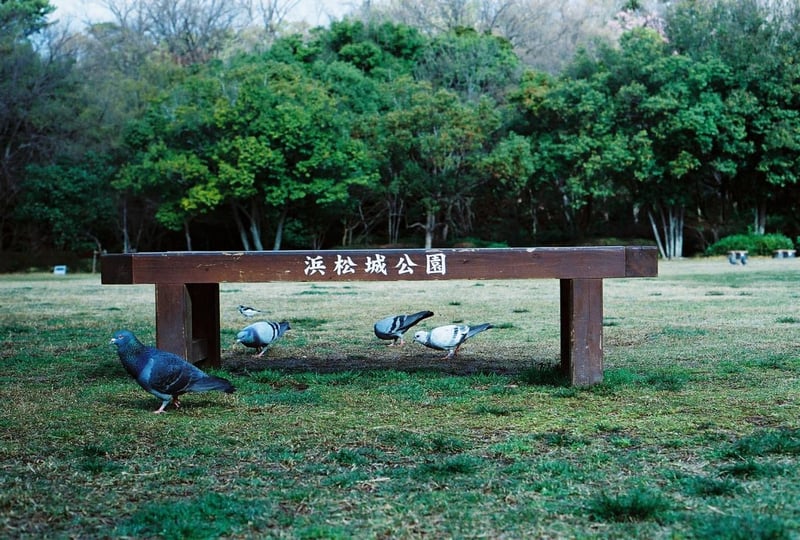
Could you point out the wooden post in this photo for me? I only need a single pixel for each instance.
(187, 321)
(205, 323)
(582, 330)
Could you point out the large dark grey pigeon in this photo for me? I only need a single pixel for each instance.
(261, 334)
(163, 374)
(449, 337)
(395, 326)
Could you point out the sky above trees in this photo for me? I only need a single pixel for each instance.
(313, 12)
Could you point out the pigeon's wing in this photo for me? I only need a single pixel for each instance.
(448, 336)
(268, 331)
(169, 374)
(397, 325)
(262, 333)
(265, 332)
(410, 320)
(256, 335)
(388, 328)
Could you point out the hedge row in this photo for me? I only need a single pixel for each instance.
(754, 244)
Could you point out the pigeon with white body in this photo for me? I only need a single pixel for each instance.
(248, 311)
(162, 373)
(260, 335)
(449, 337)
(393, 328)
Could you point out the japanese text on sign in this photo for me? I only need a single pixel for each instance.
(435, 263)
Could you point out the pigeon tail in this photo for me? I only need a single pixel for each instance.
(210, 383)
(477, 329)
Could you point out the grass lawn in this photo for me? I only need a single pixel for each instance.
(693, 434)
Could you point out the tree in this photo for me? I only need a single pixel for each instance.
(37, 114)
(471, 64)
(696, 137)
(284, 141)
(56, 197)
(759, 41)
(171, 152)
(581, 153)
(433, 144)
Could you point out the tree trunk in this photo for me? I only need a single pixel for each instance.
(670, 237)
(240, 228)
(430, 226)
(395, 206)
(187, 235)
(760, 215)
(276, 246)
(126, 237)
(657, 236)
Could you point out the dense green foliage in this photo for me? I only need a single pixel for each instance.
(754, 244)
(369, 132)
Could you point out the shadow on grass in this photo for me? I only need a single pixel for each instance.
(462, 365)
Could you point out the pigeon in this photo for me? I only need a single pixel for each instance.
(395, 326)
(163, 374)
(449, 337)
(248, 311)
(260, 334)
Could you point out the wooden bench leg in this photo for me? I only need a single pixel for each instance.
(187, 321)
(582, 330)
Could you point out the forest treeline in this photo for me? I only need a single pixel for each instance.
(220, 125)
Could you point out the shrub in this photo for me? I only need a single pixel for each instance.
(754, 244)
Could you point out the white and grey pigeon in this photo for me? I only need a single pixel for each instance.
(393, 327)
(449, 337)
(163, 374)
(261, 334)
(248, 311)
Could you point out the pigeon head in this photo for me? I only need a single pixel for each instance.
(421, 336)
(124, 339)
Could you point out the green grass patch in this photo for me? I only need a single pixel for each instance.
(693, 432)
(636, 504)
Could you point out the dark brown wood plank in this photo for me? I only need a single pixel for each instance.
(641, 261)
(378, 265)
(582, 330)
